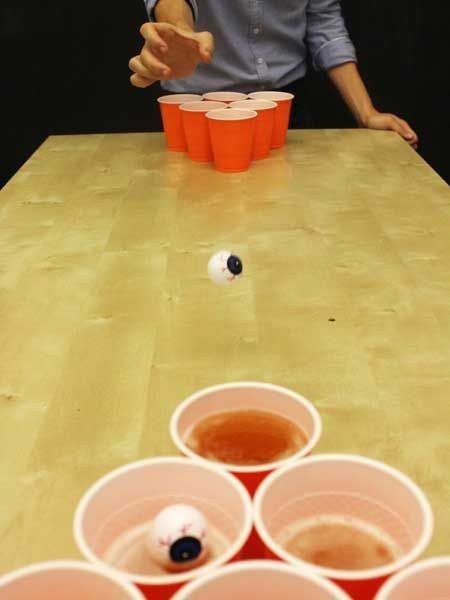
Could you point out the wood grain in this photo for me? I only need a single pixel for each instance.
(108, 320)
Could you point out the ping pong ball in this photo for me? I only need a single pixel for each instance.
(224, 267)
(177, 540)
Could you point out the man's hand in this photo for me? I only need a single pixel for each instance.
(390, 122)
(169, 52)
(347, 79)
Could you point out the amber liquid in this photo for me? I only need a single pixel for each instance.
(246, 437)
(339, 543)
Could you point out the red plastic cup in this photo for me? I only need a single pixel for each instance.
(246, 395)
(282, 114)
(351, 487)
(196, 129)
(427, 579)
(264, 124)
(261, 579)
(130, 497)
(70, 580)
(171, 118)
(226, 97)
(232, 132)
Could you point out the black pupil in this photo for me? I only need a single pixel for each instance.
(185, 549)
(234, 265)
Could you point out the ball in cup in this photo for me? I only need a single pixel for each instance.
(177, 538)
(114, 519)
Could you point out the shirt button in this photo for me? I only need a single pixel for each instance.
(260, 61)
(256, 30)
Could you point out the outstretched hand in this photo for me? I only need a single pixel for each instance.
(390, 122)
(169, 52)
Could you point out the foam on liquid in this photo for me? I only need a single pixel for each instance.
(246, 437)
(339, 542)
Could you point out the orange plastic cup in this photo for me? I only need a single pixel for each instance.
(232, 134)
(71, 580)
(282, 114)
(171, 118)
(196, 129)
(246, 395)
(426, 579)
(226, 97)
(352, 488)
(264, 124)
(124, 501)
(261, 579)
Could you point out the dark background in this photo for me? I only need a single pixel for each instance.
(65, 70)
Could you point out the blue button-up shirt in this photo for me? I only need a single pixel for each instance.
(263, 44)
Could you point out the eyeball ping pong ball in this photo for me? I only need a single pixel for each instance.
(224, 267)
(178, 538)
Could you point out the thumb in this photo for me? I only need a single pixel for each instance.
(205, 46)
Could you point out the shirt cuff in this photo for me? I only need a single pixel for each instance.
(333, 53)
(150, 5)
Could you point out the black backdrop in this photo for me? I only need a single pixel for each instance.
(64, 70)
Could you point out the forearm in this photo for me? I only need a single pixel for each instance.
(175, 12)
(348, 81)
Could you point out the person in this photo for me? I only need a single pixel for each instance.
(193, 46)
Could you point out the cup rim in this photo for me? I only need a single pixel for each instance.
(179, 98)
(274, 95)
(343, 574)
(266, 467)
(231, 114)
(257, 565)
(235, 95)
(254, 104)
(170, 579)
(74, 565)
(418, 567)
(196, 106)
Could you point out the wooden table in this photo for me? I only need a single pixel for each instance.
(108, 320)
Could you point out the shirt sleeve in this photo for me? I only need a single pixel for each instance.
(151, 4)
(327, 35)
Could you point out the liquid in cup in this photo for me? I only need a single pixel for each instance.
(391, 519)
(296, 412)
(246, 437)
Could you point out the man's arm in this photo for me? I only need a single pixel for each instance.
(348, 81)
(176, 12)
(333, 51)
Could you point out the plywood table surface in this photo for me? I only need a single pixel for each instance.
(108, 320)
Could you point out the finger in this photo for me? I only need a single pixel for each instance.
(206, 46)
(156, 68)
(151, 34)
(141, 82)
(139, 68)
(409, 134)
